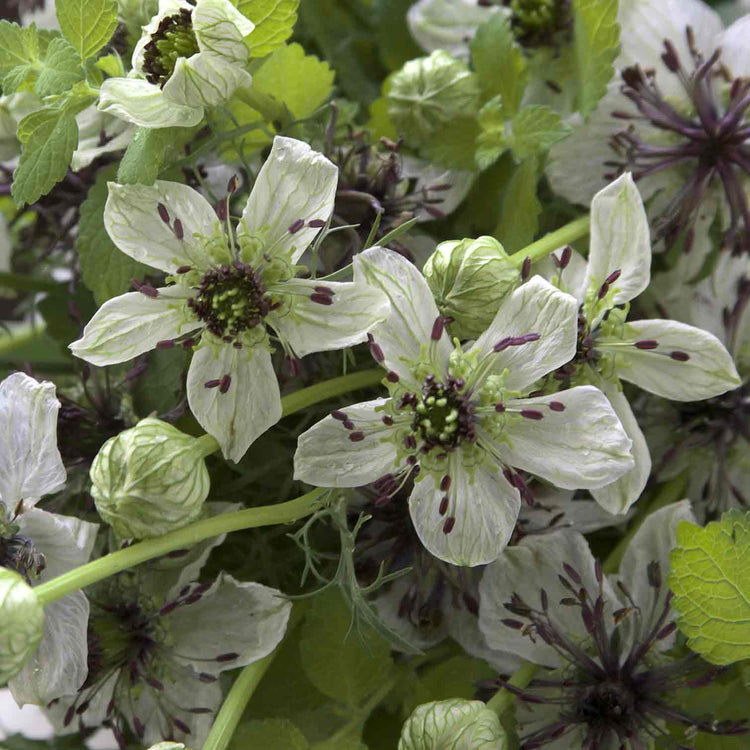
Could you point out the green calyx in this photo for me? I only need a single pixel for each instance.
(174, 38)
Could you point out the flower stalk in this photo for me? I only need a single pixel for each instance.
(566, 234)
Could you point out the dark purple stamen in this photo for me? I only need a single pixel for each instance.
(178, 231)
(679, 356)
(163, 213)
(646, 344)
(295, 226)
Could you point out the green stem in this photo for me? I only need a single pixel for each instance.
(305, 397)
(502, 699)
(233, 707)
(571, 232)
(97, 570)
(669, 493)
(269, 109)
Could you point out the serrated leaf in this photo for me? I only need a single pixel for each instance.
(492, 142)
(342, 663)
(534, 129)
(148, 152)
(61, 69)
(710, 579)
(87, 24)
(274, 21)
(499, 63)
(18, 46)
(519, 216)
(269, 734)
(452, 146)
(596, 44)
(105, 270)
(45, 158)
(302, 82)
(34, 121)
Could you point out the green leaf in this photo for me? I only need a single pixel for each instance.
(158, 388)
(87, 24)
(274, 21)
(148, 153)
(535, 128)
(105, 270)
(500, 63)
(456, 677)
(301, 82)
(596, 44)
(34, 121)
(342, 663)
(55, 309)
(710, 579)
(45, 158)
(19, 54)
(269, 734)
(61, 68)
(453, 144)
(396, 43)
(492, 142)
(519, 217)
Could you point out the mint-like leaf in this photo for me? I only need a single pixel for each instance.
(87, 24)
(274, 21)
(535, 128)
(710, 579)
(61, 69)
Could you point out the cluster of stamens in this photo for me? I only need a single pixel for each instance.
(611, 695)
(713, 143)
(18, 552)
(174, 38)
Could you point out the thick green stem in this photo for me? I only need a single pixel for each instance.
(501, 700)
(266, 515)
(571, 232)
(305, 397)
(669, 493)
(269, 109)
(233, 707)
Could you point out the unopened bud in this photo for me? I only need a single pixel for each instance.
(430, 92)
(455, 724)
(150, 479)
(469, 279)
(22, 618)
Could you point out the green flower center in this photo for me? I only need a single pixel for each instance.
(174, 38)
(536, 22)
(231, 299)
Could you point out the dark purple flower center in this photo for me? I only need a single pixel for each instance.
(174, 38)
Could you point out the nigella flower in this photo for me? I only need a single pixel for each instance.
(676, 116)
(710, 439)
(229, 288)
(158, 642)
(601, 642)
(671, 359)
(40, 545)
(191, 56)
(462, 421)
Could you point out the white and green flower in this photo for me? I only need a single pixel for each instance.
(461, 421)
(39, 545)
(190, 56)
(231, 289)
(665, 357)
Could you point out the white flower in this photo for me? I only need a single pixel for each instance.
(98, 134)
(40, 545)
(665, 357)
(685, 135)
(229, 288)
(190, 56)
(462, 418)
(599, 639)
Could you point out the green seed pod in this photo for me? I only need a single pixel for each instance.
(454, 724)
(150, 479)
(22, 617)
(430, 92)
(469, 278)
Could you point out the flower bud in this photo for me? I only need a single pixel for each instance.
(455, 724)
(22, 618)
(430, 92)
(150, 479)
(469, 278)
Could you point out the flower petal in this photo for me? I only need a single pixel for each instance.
(295, 184)
(413, 309)
(247, 409)
(205, 79)
(483, 507)
(525, 569)
(337, 320)
(327, 456)
(688, 363)
(536, 307)
(253, 622)
(219, 28)
(133, 323)
(620, 241)
(144, 104)
(582, 447)
(735, 52)
(623, 492)
(30, 464)
(133, 219)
